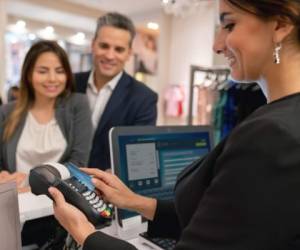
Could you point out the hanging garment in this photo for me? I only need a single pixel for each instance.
(174, 98)
(206, 100)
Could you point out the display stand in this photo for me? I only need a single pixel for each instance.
(194, 70)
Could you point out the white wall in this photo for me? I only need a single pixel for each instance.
(182, 42)
(159, 81)
(163, 62)
(3, 17)
(192, 40)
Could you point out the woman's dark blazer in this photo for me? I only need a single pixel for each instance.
(74, 119)
(244, 195)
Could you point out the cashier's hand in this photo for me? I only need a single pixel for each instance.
(112, 189)
(71, 218)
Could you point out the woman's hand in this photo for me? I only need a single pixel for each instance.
(24, 189)
(71, 218)
(18, 177)
(3, 175)
(116, 192)
(111, 188)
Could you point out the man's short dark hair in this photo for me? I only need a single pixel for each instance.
(116, 20)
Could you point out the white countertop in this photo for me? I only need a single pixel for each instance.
(32, 206)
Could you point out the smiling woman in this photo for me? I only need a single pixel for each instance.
(253, 31)
(47, 123)
(244, 194)
(48, 77)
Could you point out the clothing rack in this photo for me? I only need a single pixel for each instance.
(218, 71)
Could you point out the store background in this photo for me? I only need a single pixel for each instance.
(182, 40)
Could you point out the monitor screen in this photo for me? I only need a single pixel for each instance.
(150, 162)
(10, 227)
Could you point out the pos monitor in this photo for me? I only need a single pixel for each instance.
(149, 158)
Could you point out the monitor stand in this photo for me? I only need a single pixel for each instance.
(131, 228)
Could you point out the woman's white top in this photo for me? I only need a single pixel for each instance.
(38, 144)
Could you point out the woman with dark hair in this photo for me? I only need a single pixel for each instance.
(48, 122)
(244, 194)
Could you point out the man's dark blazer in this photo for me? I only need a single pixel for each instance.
(244, 195)
(131, 103)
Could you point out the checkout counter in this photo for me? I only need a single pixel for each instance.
(33, 207)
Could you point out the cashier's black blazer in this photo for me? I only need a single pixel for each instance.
(244, 195)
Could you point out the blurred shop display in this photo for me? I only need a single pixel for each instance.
(174, 97)
(216, 100)
(145, 53)
(16, 46)
(79, 56)
(13, 93)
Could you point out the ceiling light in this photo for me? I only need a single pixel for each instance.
(153, 26)
(21, 24)
(47, 33)
(78, 38)
(80, 35)
(32, 36)
(18, 28)
(49, 29)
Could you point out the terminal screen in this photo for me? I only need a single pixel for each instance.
(150, 164)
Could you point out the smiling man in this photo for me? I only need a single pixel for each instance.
(116, 99)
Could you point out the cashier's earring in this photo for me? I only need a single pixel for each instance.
(276, 53)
